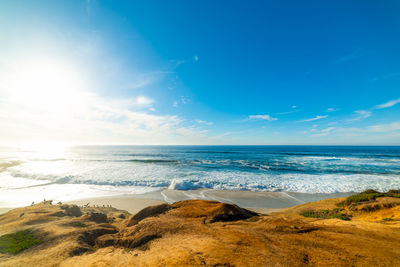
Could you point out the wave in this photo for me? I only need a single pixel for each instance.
(8, 164)
(307, 183)
(188, 185)
(46, 159)
(151, 160)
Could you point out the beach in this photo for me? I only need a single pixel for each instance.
(260, 177)
(201, 232)
(262, 202)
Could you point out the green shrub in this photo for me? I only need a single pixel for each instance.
(326, 214)
(16, 242)
(367, 195)
(78, 224)
(387, 219)
(370, 191)
(363, 197)
(311, 214)
(341, 216)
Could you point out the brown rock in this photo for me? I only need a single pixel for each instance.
(98, 217)
(72, 210)
(151, 211)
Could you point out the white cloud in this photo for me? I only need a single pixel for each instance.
(390, 127)
(294, 106)
(315, 118)
(360, 115)
(59, 109)
(177, 63)
(364, 113)
(141, 80)
(332, 109)
(204, 122)
(184, 100)
(388, 104)
(175, 104)
(324, 132)
(262, 117)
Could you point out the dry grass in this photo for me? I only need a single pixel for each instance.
(207, 233)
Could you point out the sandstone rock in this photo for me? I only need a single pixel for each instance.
(72, 210)
(151, 211)
(98, 217)
(89, 237)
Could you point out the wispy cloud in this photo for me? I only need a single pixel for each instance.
(394, 126)
(360, 115)
(183, 100)
(140, 80)
(331, 109)
(388, 104)
(324, 132)
(204, 122)
(262, 117)
(177, 63)
(287, 112)
(294, 107)
(315, 118)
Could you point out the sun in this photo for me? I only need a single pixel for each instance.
(46, 85)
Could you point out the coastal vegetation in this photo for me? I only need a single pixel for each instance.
(327, 214)
(366, 196)
(18, 241)
(364, 201)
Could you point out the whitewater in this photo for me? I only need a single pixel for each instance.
(91, 171)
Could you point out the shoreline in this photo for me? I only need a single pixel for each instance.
(206, 232)
(259, 201)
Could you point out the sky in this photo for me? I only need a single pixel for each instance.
(199, 72)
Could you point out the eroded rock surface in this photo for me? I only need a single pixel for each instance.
(208, 233)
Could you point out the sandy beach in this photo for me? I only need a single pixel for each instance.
(262, 202)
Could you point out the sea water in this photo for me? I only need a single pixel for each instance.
(79, 172)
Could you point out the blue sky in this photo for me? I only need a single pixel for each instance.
(200, 72)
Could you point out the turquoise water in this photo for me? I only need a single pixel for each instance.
(138, 169)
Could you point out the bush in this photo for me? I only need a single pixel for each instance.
(367, 195)
(78, 224)
(311, 214)
(341, 216)
(326, 214)
(16, 242)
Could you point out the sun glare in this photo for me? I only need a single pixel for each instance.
(48, 85)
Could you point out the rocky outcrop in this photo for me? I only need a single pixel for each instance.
(210, 233)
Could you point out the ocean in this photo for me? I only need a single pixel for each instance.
(88, 171)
